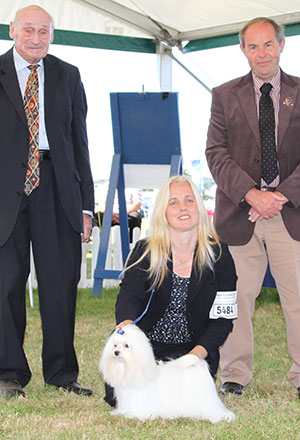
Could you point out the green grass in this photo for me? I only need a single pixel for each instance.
(269, 408)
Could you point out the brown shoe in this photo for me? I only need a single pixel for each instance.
(10, 388)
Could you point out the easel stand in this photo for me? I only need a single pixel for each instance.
(147, 151)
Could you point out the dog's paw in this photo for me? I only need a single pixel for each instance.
(229, 416)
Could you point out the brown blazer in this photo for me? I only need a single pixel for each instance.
(234, 156)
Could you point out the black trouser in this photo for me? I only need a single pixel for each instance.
(57, 255)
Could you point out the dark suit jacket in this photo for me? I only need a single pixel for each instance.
(134, 295)
(65, 115)
(234, 155)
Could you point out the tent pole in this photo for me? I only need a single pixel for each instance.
(164, 66)
(190, 72)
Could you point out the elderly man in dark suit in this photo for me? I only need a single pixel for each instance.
(46, 199)
(253, 151)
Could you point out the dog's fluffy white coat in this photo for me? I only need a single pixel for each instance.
(146, 389)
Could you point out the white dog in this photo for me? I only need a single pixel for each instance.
(145, 389)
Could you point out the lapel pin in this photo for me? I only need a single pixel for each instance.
(288, 101)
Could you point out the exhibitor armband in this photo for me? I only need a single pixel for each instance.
(224, 306)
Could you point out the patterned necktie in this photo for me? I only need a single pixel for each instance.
(31, 106)
(269, 167)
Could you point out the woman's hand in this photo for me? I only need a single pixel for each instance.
(199, 351)
(123, 323)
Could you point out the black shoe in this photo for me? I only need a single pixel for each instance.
(231, 387)
(74, 387)
(10, 388)
(298, 392)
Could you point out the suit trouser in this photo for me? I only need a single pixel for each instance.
(57, 256)
(236, 360)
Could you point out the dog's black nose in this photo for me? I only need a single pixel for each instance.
(116, 353)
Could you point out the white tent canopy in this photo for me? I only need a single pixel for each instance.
(144, 30)
(192, 24)
(176, 21)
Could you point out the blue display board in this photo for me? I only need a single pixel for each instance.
(269, 280)
(146, 133)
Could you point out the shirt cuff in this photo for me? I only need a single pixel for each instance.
(88, 212)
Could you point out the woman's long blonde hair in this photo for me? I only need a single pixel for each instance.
(159, 241)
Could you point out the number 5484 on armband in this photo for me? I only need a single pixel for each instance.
(224, 305)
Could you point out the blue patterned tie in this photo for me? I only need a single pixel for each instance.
(269, 167)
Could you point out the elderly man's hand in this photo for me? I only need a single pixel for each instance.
(87, 228)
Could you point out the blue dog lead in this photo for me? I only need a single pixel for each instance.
(120, 331)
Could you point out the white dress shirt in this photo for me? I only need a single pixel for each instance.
(23, 73)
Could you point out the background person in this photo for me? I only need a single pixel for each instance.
(134, 211)
(45, 184)
(184, 254)
(254, 156)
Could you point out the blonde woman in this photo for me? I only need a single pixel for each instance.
(191, 274)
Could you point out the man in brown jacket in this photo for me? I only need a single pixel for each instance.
(258, 208)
